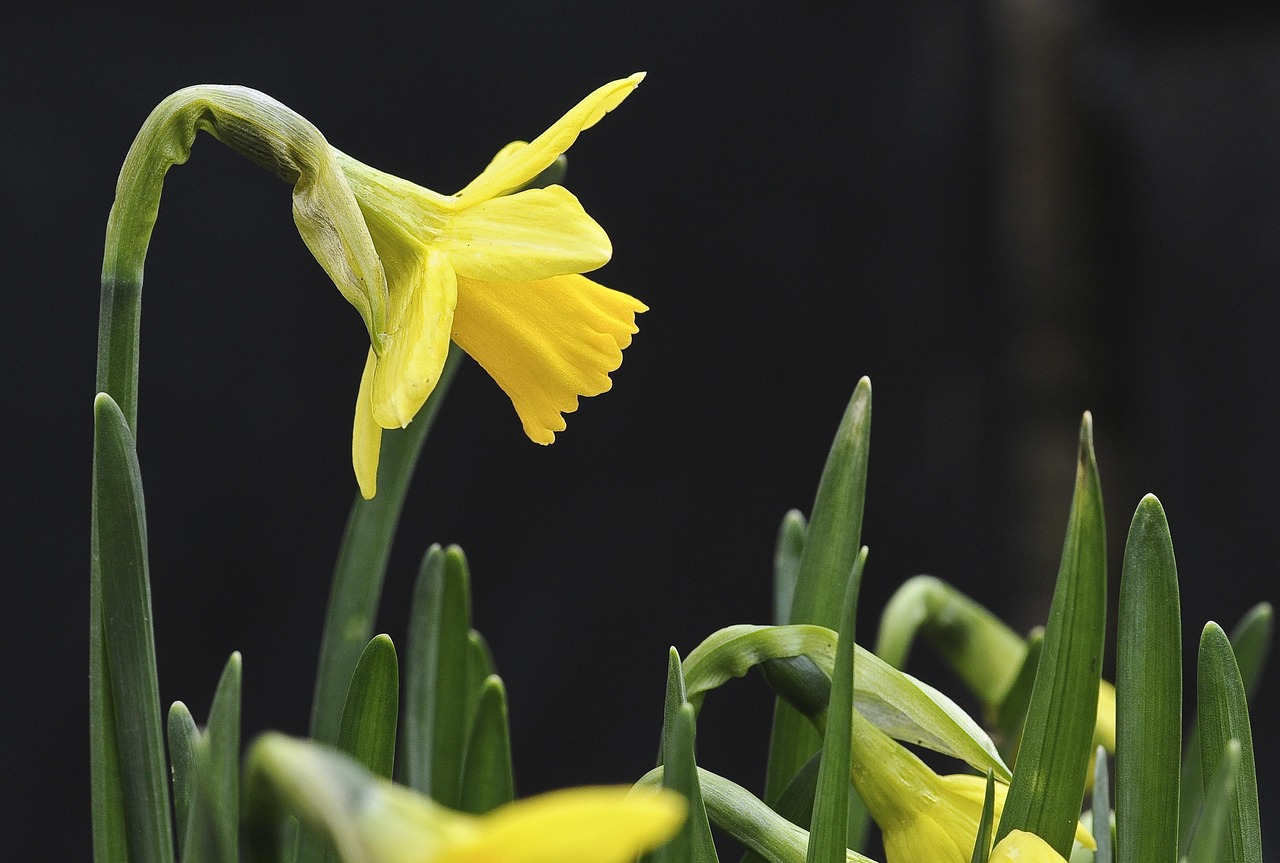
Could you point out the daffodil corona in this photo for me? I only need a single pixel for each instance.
(497, 269)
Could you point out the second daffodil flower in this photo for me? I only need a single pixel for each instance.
(497, 268)
(924, 816)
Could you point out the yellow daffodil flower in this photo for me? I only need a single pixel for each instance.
(498, 271)
(371, 820)
(1022, 847)
(922, 816)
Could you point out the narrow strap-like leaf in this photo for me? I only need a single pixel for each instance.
(438, 703)
(829, 829)
(894, 701)
(1251, 641)
(747, 819)
(786, 563)
(693, 844)
(1101, 805)
(1224, 716)
(831, 546)
(1012, 712)
(368, 731)
(978, 646)
(1210, 841)
(183, 737)
(1053, 756)
(488, 780)
(130, 749)
(362, 562)
(212, 827)
(982, 842)
(1148, 693)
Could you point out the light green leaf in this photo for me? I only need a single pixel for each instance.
(831, 546)
(1224, 716)
(978, 646)
(127, 751)
(488, 780)
(1101, 805)
(786, 563)
(1148, 693)
(1211, 838)
(1057, 741)
(896, 702)
(747, 819)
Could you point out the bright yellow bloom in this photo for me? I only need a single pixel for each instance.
(371, 820)
(922, 816)
(1022, 847)
(579, 825)
(499, 271)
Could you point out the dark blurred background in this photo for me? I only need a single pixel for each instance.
(1004, 213)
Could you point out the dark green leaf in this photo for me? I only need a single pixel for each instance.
(1148, 693)
(1224, 716)
(487, 778)
(693, 844)
(368, 730)
(438, 702)
(183, 737)
(831, 546)
(128, 751)
(982, 842)
(212, 827)
(1251, 640)
(362, 562)
(1057, 741)
(829, 829)
(1012, 714)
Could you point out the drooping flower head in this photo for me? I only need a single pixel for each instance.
(921, 815)
(497, 269)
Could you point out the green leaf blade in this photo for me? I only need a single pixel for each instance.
(368, 730)
(438, 699)
(1224, 716)
(829, 828)
(488, 780)
(131, 776)
(831, 546)
(362, 562)
(1053, 756)
(1148, 693)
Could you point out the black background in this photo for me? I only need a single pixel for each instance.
(1004, 214)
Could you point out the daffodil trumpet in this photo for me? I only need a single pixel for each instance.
(496, 267)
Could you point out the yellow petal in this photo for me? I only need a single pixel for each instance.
(516, 166)
(366, 439)
(974, 790)
(580, 825)
(414, 354)
(546, 343)
(534, 234)
(1022, 847)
